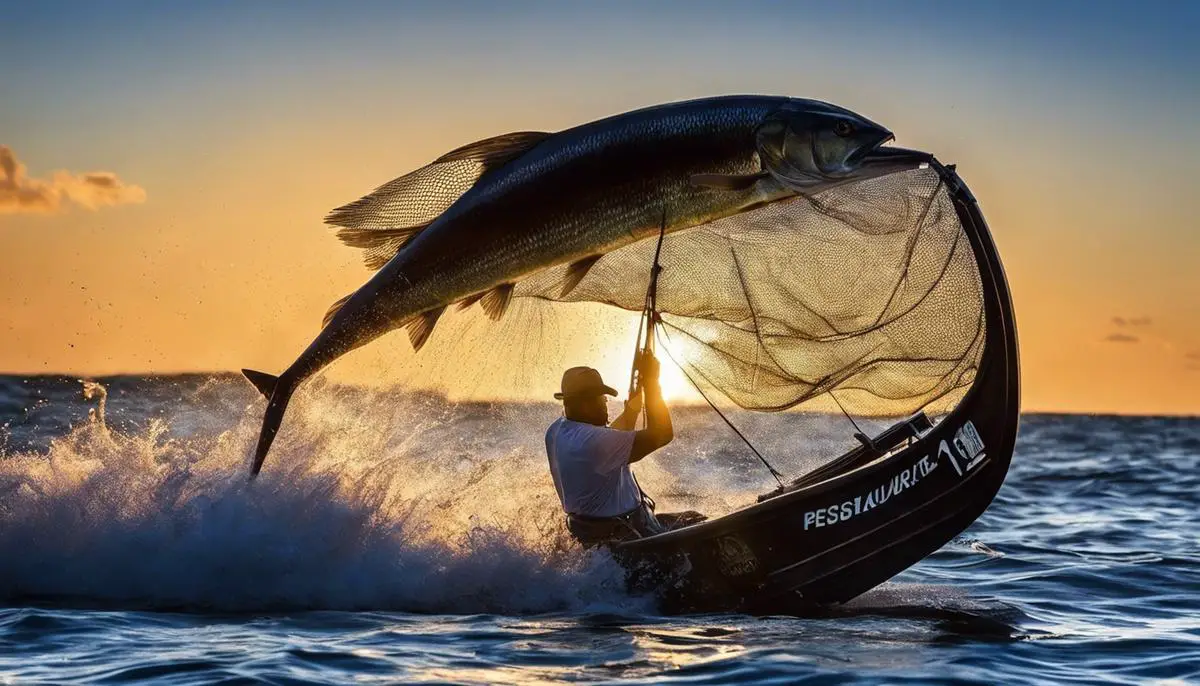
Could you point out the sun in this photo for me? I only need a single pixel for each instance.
(675, 385)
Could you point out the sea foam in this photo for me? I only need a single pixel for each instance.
(381, 502)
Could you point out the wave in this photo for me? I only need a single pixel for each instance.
(377, 500)
(348, 516)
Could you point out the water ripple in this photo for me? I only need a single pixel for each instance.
(1085, 569)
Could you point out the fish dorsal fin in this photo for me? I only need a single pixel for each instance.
(495, 302)
(421, 326)
(495, 151)
(399, 209)
(333, 310)
(576, 271)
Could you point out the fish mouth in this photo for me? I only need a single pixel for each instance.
(861, 154)
(884, 161)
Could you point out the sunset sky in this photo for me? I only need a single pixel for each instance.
(166, 166)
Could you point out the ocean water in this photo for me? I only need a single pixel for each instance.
(401, 538)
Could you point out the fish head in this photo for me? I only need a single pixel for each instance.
(807, 144)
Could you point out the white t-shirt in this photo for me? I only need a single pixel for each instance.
(590, 467)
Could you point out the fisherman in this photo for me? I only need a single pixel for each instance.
(589, 459)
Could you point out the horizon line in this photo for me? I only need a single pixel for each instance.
(443, 394)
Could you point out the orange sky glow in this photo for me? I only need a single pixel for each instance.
(173, 223)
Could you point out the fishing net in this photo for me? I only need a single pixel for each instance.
(869, 288)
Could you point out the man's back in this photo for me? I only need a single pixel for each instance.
(590, 468)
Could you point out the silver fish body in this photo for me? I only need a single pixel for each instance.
(583, 192)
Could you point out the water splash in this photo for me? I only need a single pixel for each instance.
(94, 390)
(377, 499)
(351, 514)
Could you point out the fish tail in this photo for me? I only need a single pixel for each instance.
(280, 393)
(350, 324)
(328, 346)
(264, 382)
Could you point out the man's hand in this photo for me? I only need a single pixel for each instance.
(628, 418)
(658, 431)
(648, 367)
(633, 406)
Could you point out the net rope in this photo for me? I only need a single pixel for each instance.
(646, 322)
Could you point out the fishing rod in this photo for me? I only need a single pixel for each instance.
(649, 316)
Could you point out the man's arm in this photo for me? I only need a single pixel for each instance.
(658, 431)
(628, 418)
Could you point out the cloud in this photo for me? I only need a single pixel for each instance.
(92, 190)
(1121, 338)
(1131, 321)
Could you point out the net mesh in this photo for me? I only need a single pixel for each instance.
(871, 288)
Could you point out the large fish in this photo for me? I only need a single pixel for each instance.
(467, 227)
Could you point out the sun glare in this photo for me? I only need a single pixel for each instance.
(674, 384)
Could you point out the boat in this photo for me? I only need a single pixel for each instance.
(873, 512)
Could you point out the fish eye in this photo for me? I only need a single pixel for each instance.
(843, 128)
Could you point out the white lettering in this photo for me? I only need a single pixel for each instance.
(945, 449)
(849, 509)
(887, 490)
(967, 448)
(927, 466)
(967, 440)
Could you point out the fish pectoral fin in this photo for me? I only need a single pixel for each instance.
(380, 245)
(264, 382)
(727, 182)
(576, 271)
(333, 310)
(495, 151)
(495, 302)
(372, 238)
(470, 300)
(421, 326)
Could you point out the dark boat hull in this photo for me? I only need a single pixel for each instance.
(830, 541)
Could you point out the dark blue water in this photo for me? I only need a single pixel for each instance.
(396, 537)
